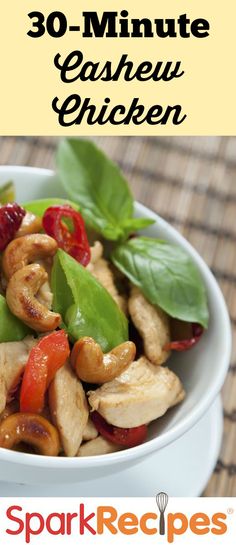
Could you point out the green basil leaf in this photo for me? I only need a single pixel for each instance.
(135, 224)
(7, 193)
(38, 207)
(87, 309)
(97, 184)
(166, 275)
(11, 329)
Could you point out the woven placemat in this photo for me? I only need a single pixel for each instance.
(191, 182)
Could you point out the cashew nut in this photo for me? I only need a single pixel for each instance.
(29, 225)
(24, 250)
(31, 429)
(20, 296)
(91, 365)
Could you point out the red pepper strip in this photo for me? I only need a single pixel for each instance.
(127, 437)
(44, 360)
(74, 243)
(186, 344)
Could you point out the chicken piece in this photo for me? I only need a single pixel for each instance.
(96, 252)
(69, 409)
(142, 393)
(97, 447)
(13, 357)
(152, 324)
(102, 272)
(90, 432)
(45, 295)
(100, 269)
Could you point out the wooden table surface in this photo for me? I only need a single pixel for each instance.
(191, 182)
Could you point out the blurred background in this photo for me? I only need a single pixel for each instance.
(191, 182)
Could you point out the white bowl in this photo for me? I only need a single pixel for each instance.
(202, 369)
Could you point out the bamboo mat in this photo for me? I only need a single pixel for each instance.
(191, 182)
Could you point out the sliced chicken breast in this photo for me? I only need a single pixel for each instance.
(45, 295)
(142, 393)
(90, 432)
(152, 324)
(102, 272)
(68, 408)
(96, 252)
(13, 357)
(100, 269)
(98, 446)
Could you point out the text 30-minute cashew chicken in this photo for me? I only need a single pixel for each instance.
(88, 319)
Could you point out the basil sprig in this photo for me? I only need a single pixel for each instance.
(166, 275)
(11, 328)
(96, 183)
(87, 309)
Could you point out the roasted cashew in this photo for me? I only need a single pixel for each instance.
(91, 365)
(24, 250)
(20, 296)
(30, 224)
(31, 429)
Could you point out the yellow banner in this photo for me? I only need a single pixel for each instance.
(120, 67)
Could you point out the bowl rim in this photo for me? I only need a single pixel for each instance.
(189, 420)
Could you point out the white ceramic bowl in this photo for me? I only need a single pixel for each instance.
(202, 369)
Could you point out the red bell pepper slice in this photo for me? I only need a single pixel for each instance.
(186, 344)
(127, 437)
(44, 360)
(74, 243)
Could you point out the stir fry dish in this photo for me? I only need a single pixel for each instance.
(90, 313)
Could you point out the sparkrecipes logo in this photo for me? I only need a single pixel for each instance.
(94, 517)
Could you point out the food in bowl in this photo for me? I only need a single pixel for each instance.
(90, 313)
